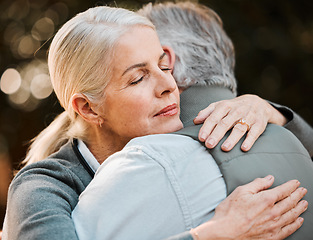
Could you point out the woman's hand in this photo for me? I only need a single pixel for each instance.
(252, 212)
(247, 113)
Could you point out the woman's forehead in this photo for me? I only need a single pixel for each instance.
(137, 46)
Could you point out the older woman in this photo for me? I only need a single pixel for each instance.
(113, 79)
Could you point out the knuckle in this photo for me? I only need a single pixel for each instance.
(204, 132)
(239, 112)
(275, 216)
(269, 200)
(258, 180)
(293, 214)
(240, 128)
(240, 189)
(202, 112)
(224, 122)
(225, 105)
(214, 119)
(252, 135)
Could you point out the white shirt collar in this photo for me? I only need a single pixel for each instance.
(87, 155)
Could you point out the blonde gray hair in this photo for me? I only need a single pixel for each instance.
(79, 61)
(204, 52)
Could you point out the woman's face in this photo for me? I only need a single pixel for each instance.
(142, 96)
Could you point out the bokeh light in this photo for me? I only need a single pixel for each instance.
(27, 46)
(18, 10)
(40, 86)
(26, 87)
(43, 29)
(10, 81)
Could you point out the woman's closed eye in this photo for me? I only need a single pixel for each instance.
(165, 69)
(136, 81)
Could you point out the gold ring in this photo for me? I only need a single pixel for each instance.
(243, 122)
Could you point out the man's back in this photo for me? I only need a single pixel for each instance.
(157, 186)
(166, 184)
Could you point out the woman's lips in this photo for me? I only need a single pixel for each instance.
(170, 110)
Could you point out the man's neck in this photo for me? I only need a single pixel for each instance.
(196, 98)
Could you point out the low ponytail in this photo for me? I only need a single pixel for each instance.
(49, 140)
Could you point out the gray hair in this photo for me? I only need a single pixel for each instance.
(79, 61)
(204, 53)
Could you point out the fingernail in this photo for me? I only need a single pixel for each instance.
(244, 146)
(210, 142)
(304, 202)
(300, 219)
(202, 137)
(226, 145)
(269, 177)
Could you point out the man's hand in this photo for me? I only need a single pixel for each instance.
(221, 116)
(251, 212)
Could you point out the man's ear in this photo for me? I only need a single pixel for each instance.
(82, 106)
(171, 55)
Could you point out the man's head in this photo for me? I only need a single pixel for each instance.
(204, 53)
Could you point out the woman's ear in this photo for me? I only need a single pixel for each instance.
(171, 55)
(82, 106)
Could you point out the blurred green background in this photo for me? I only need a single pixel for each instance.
(274, 54)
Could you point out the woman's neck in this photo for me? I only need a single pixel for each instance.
(102, 145)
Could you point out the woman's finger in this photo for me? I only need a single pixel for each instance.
(204, 114)
(210, 123)
(220, 130)
(254, 133)
(236, 134)
(238, 131)
(223, 118)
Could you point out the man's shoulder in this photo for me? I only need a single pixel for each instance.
(164, 144)
(158, 152)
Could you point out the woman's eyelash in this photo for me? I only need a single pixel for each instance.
(140, 79)
(166, 69)
(136, 82)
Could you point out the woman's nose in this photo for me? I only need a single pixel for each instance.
(165, 84)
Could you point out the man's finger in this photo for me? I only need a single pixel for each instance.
(259, 184)
(285, 190)
(290, 202)
(291, 228)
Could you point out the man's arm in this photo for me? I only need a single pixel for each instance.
(298, 126)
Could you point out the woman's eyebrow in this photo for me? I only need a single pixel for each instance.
(139, 65)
